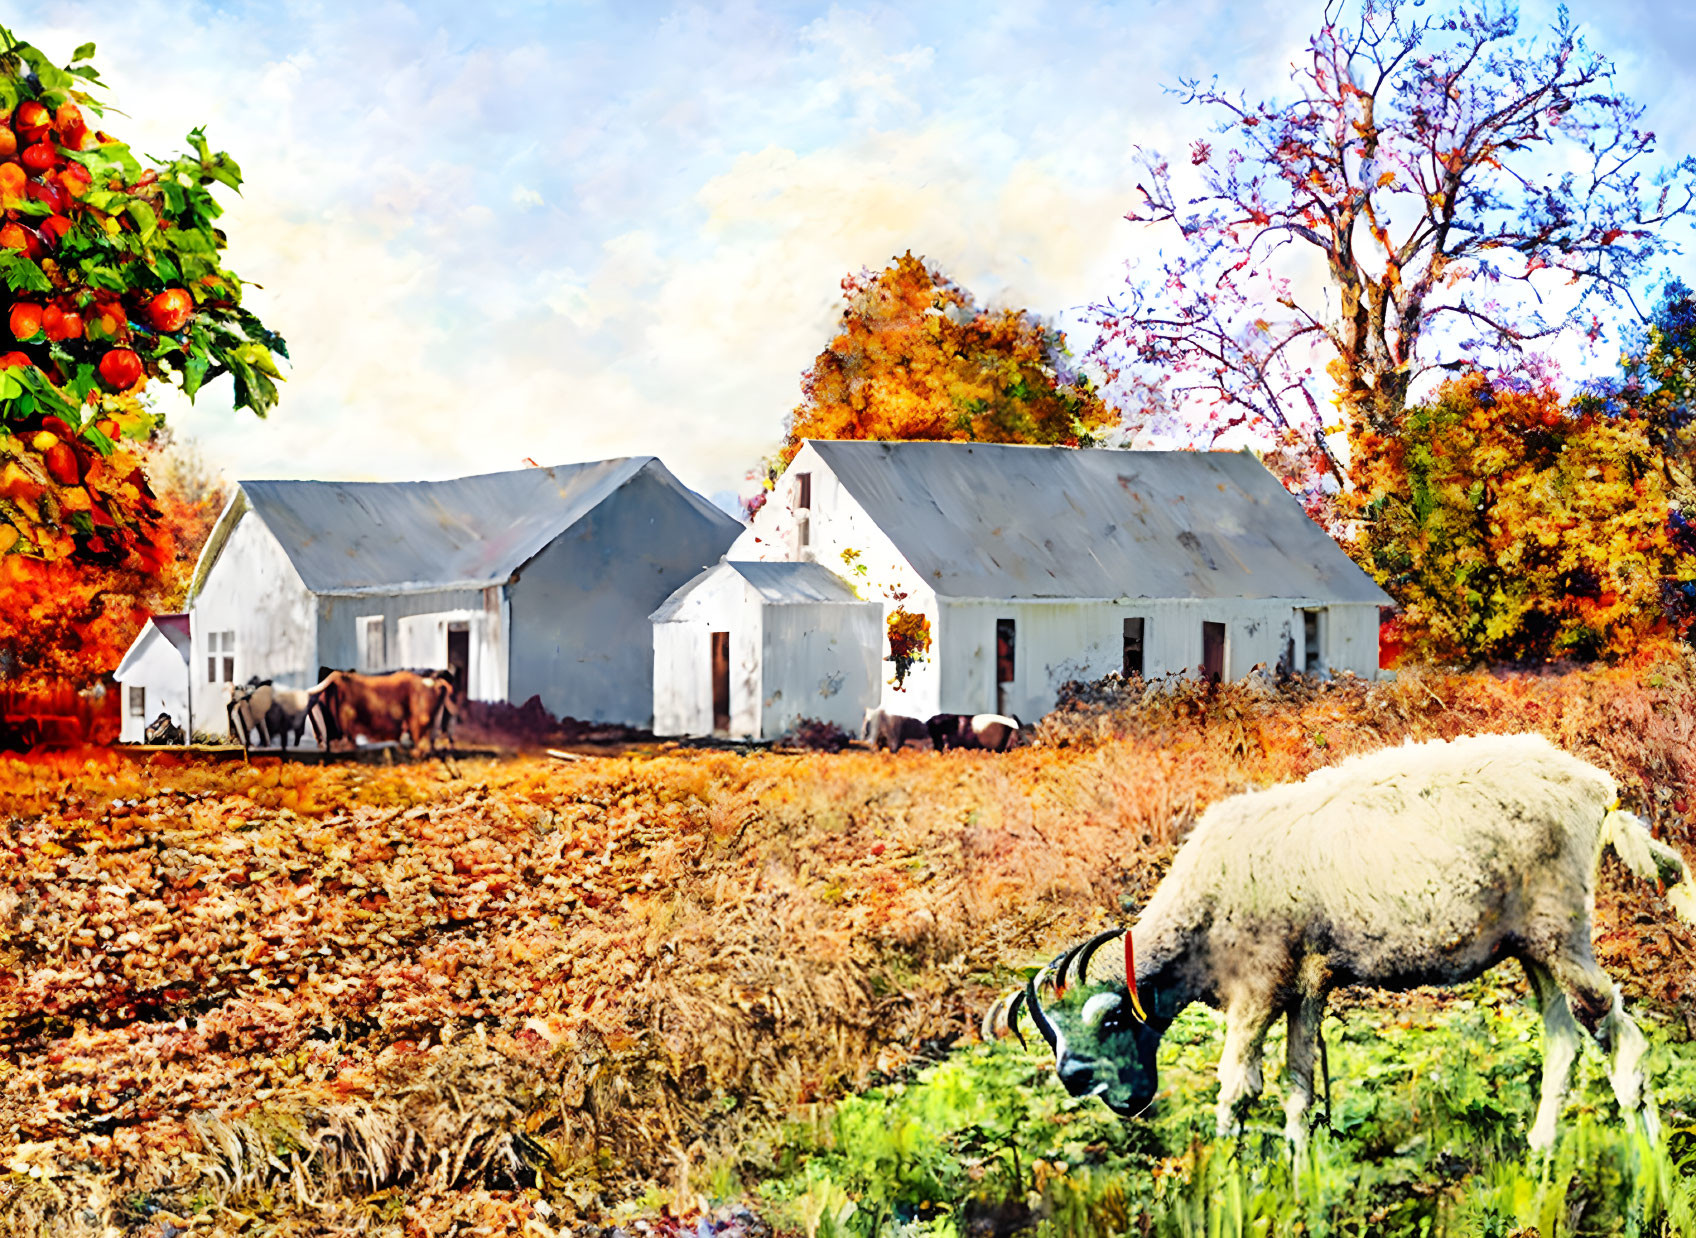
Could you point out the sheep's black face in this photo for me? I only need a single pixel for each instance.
(1101, 1047)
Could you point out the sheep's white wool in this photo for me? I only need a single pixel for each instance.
(1394, 857)
(1427, 863)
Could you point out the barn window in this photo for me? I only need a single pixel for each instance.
(220, 656)
(1133, 648)
(803, 491)
(373, 646)
(1213, 651)
(138, 702)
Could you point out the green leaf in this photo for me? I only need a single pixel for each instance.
(79, 387)
(22, 275)
(53, 79)
(146, 222)
(97, 439)
(191, 241)
(105, 277)
(83, 52)
(194, 373)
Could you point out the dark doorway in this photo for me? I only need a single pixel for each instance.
(1133, 648)
(1213, 651)
(721, 681)
(1005, 646)
(459, 656)
(1312, 664)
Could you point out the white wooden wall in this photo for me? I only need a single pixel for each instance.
(836, 523)
(819, 660)
(253, 590)
(159, 670)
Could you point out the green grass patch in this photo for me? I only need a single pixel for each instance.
(1427, 1136)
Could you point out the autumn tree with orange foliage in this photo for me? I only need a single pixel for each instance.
(69, 621)
(916, 357)
(1513, 526)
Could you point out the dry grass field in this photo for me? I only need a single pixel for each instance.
(532, 996)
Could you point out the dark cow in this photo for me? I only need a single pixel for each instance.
(345, 706)
(884, 730)
(995, 732)
(163, 731)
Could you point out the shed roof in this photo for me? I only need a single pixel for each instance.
(795, 582)
(465, 533)
(777, 583)
(993, 520)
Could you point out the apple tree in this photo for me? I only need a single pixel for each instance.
(114, 281)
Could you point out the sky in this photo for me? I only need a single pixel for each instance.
(511, 231)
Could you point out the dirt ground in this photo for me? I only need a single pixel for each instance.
(529, 993)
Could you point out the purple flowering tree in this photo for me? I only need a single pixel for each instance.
(1438, 192)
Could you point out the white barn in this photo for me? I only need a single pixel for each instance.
(533, 582)
(1038, 565)
(784, 641)
(154, 678)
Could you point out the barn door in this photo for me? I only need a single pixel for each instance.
(459, 656)
(1005, 648)
(721, 681)
(1213, 651)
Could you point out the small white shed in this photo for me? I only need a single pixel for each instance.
(747, 650)
(154, 677)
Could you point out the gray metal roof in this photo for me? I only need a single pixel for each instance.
(795, 582)
(470, 532)
(991, 520)
(779, 583)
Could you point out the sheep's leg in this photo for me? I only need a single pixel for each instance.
(1303, 1048)
(1240, 1078)
(1622, 1035)
(1561, 1041)
(1598, 1006)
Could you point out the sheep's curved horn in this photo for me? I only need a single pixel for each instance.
(1061, 965)
(1017, 1000)
(1090, 947)
(1040, 1019)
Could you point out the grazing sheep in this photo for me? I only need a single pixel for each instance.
(883, 729)
(1424, 864)
(995, 732)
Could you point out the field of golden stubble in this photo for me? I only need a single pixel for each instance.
(326, 996)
